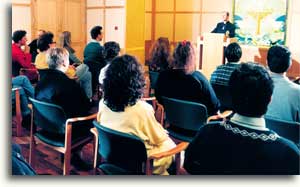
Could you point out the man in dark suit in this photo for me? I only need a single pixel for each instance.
(225, 26)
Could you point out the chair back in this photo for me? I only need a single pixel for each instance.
(153, 78)
(286, 129)
(224, 96)
(48, 116)
(31, 73)
(15, 68)
(42, 73)
(185, 115)
(121, 149)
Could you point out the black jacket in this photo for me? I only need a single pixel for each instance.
(179, 85)
(223, 28)
(55, 87)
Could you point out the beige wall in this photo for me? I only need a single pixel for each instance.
(110, 14)
(21, 17)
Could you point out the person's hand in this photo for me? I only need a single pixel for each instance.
(72, 67)
(26, 49)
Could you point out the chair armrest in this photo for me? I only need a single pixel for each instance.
(76, 119)
(222, 115)
(15, 89)
(180, 147)
(95, 159)
(148, 98)
(28, 69)
(94, 131)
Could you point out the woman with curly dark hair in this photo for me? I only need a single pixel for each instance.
(122, 109)
(184, 82)
(160, 55)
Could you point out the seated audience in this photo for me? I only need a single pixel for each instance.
(221, 75)
(80, 73)
(243, 145)
(33, 45)
(19, 164)
(26, 91)
(111, 50)
(122, 109)
(94, 55)
(285, 103)
(183, 82)
(21, 58)
(82, 70)
(160, 55)
(55, 87)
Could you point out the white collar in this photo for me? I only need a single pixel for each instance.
(277, 75)
(249, 122)
(95, 41)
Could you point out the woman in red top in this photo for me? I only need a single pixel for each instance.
(21, 58)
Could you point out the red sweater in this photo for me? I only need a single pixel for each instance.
(19, 56)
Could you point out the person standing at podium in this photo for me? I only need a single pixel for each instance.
(225, 26)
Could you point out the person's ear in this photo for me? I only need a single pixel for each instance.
(270, 100)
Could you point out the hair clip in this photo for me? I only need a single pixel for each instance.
(183, 42)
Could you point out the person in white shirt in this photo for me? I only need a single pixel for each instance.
(285, 103)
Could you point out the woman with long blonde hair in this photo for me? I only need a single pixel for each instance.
(65, 42)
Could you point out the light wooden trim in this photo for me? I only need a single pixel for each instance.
(153, 20)
(104, 7)
(72, 120)
(68, 143)
(201, 17)
(32, 142)
(174, 20)
(176, 12)
(32, 14)
(180, 147)
(96, 137)
(135, 49)
(18, 110)
(222, 115)
(21, 4)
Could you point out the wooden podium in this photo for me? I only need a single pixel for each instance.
(211, 53)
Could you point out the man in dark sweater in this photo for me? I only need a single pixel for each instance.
(243, 145)
(93, 55)
(55, 87)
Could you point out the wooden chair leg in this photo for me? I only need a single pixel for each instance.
(178, 162)
(18, 113)
(32, 143)
(67, 162)
(31, 152)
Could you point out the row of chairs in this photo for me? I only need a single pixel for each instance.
(47, 118)
(110, 144)
(51, 118)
